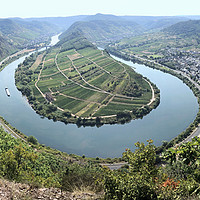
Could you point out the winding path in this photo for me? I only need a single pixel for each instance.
(39, 80)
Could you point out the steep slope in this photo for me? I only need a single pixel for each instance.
(38, 27)
(183, 36)
(5, 48)
(185, 29)
(74, 40)
(18, 32)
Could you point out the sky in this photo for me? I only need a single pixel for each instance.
(55, 8)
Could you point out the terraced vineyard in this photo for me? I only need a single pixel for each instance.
(87, 83)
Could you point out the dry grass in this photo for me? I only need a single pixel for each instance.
(17, 191)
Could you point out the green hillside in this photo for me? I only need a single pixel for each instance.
(21, 33)
(17, 34)
(6, 48)
(27, 161)
(183, 36)
(185, 29)
(104, 31)
(144, 175)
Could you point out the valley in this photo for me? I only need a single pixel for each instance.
(69, 109)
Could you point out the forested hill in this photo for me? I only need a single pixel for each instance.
(104, 31)
(5, 48)
(16, 34)
(20, 32)
(186, 29)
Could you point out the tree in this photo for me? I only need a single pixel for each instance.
(32, 139)
(138, 182)
(16, 162)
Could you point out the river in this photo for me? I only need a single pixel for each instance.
(178, 108)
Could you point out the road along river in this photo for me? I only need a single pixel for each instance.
(178, 108)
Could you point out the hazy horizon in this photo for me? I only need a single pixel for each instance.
(63, 8)
(103, 14)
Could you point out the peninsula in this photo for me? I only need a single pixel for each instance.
(75, 82)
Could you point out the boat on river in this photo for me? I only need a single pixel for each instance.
(7, 92)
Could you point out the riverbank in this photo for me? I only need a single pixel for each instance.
(194, 128)
(14, 57)
(3, 123)
(9, 129)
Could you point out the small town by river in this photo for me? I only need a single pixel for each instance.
(178, 108)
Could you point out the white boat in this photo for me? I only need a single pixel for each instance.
(7, 91)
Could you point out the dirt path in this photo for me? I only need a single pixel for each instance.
(152, 91)
(114, 166)
(39, 80)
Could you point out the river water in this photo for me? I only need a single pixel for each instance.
(178, 108)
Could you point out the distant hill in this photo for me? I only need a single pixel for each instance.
(100, 28)
(107, 17)
(62, 23)
(20, 32)
(38, 28)
(186, 29)
(150, 23)
(180, 37)
(17, 33)
(104, 31)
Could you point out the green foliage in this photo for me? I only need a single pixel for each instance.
(178, 178)
(141, 178)
(143, 159)
(22, 163)
(184, 164)
(138, 181)
(32, 139)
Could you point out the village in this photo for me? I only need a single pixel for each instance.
(185, 61)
